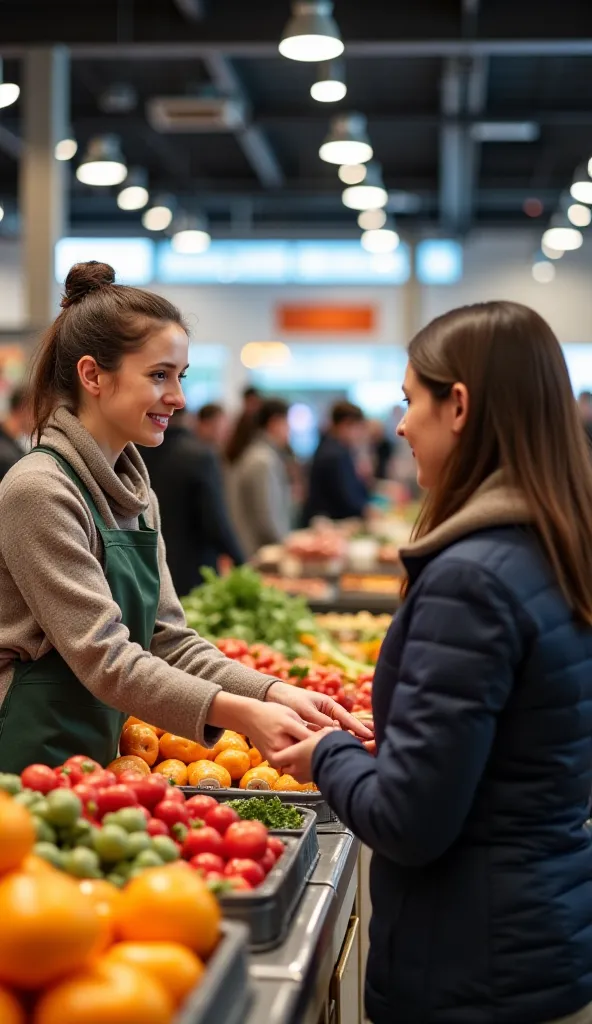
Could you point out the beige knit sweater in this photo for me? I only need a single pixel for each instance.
(53, 592)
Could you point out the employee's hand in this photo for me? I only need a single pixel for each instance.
(297, 760)
(271, 729)
(317, 708)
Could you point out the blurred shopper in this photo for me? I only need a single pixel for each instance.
(211, 426)
(336, 489)
(476, 805)
(186, 475)
(585, 407)
(245, 427)
(381, 449)
(14, 430)
(259, 485)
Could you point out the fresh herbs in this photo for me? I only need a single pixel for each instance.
(269, 810)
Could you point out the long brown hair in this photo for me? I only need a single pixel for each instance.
(98, 318)
(522, 417)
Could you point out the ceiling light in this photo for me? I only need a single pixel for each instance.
(66, 149)
(311, 33)
(159, 215)
(257, 354)
(549, 252)
(372, 220)
(543, 271)
(330, 85)
(134, 195)
(579, 215)
(371, 195)
(562, 236)
(505, 131)
(347, 141)
(1, 213)
(190, 236)
(103, 163)
(381, 240)
(9, 91)
(581, 188)
(352, 174)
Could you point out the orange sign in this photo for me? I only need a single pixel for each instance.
(326, 319)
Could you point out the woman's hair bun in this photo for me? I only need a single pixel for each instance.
(84, 278)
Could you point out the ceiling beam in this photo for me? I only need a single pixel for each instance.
(455, 151)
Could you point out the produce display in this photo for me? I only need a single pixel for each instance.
(268, 810)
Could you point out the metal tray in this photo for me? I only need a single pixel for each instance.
(224, 995)
(313, 800)
(268, 910)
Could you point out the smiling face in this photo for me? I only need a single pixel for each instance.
(136, 401)
(431, 427)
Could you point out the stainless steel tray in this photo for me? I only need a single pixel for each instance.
(311, 799)
(268, 910)
(224, 995)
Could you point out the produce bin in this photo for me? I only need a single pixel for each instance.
(224, 995)
(312, 800)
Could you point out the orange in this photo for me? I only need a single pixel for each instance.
(287, 783)
(236, 763)
(169, 905)
(112, 993)
(33, 865)
(262, 777)
(138, 721)
(141, 741)
(199, 771)
(11, 1011)
(180, 749)
(176, 968)
(230, 741)
(129, 763)
(174, 770)
(255, 757)
(103, 897)
(17, 833)
(47, 928)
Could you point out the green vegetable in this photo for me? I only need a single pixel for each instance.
(43, 831)
(63, 807)
(132, 819)
(269, 810)
(165, 848)
(147, 859)
(137, 843)
(10, 783)
(111, 843)
(50, 853)
(82, 863)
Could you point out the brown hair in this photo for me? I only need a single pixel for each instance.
(522, 417)
(209, 412)
(98, 318)
(346, 412)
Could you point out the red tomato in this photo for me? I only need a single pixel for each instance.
(202, 840)
(221, 817)
(174, 793)
(200, 805)
(245, 839)
(64, 782)
(39, 777)
(113, 798)
(208, 862)
(267, 861)
(149, 789)
(214, 876)
(78, 767)
(246, 868)
(247, 660)
(233, 648)
(238, 883)
(102, 779)
(172, 813)
(154, 827)
(276, 846)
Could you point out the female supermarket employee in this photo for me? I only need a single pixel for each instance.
(90, 626)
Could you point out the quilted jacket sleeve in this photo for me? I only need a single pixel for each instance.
(462, 646)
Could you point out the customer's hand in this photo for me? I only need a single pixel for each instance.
(272, 728)
(317, 708)
(297, 760)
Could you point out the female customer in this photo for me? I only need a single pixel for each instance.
(475, 806)
(90, 626)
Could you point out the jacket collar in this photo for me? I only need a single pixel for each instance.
(494, 503)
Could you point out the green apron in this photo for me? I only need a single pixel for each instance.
(47, 714)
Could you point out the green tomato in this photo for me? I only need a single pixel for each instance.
(116, 879)
(132, 819)
(39, 806)
(44, 832)
(87, 839)
(63, 807)
(165, 848)
(82, 863)
(50, 853)
(111, 843)
(146, 859)
(27, 798)
(138, 842)
(10, 783)
(122, 868)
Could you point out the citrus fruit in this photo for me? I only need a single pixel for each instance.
(129, 763)
(262, 777)
(230, 741)
(34, 865)
(138, 721)
(47, 927)
(201, 771)
(103, 897)
(169, 905)
(141, 741)
(236, 762)
(180, 749)
(17, 833)
(173, 965)
(11, 1011)
(255, 757)
(112, 993)
(174, 770)
(287, 783)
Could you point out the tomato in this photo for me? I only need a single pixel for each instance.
(267, 861)
(202, 840)
(213, 876)
(221, 817)
(156, 827)
(245, 839)
(102, 779)
(149, 789)
(233, 648)
(247, 660)
(276, 846)
(208, 862)
(64, 782)
(39, 777)
(78, 767)
(172, 813)
(200, 805)
(173, 793)
(113, 798)
(247, 868)
(238, 883)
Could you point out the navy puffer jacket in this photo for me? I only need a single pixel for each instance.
(476, 804)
